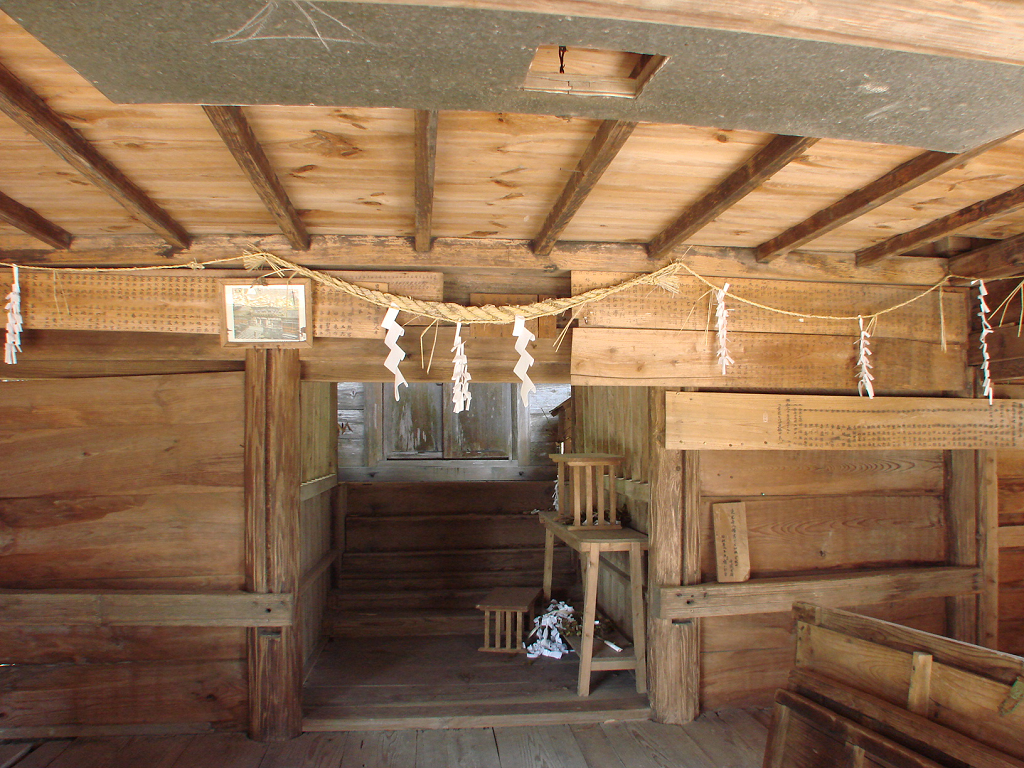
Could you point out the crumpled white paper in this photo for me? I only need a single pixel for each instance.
(549, 641)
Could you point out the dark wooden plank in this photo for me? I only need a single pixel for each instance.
(381, 749)
(44, 754)
(552, 746)
(426, 152)
(757, 169)
(33, 114)
(654, 745)
(12, 753)
(92, 753)
(30, 222)
(310, 750)
(240, 140)
(896, 182)
(1000, 205)
(153, 751)
(603, 148)
(1004, 258)
(457, 748)
(228, 750)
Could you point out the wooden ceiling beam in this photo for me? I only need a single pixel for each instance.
(33, 114)
(238, 137)
(757, 169)
(603, 148)
(913, 173)
(1000, 205)
(426, 152)
(31, 223)
(1004, 258)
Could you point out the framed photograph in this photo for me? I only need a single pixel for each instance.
(265, 312)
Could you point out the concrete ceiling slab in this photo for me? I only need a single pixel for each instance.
(356, 54)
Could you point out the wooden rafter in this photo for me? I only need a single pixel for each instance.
(1000, 205)
(426, 150)
(30, 222)
(1003, 258)
(595, 161)
(903, 178)
(757, 169)
(34, 115)
(239, 138)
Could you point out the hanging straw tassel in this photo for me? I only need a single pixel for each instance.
(12, 346)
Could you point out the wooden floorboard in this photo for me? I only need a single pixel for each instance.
(728, 739)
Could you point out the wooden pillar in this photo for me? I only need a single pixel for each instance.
(962, 525)
(673, 652)
(988, 549)
(272, 480)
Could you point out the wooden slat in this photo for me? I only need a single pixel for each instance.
(490, 256)
(426, 152)
(988, 548)
(625, 357)
(33, 114)
(313, 488)
(30, 222)
(1000, 205)
(732, 547)
(718, 421)
(1004, 258)
(1011, 536)
(603, 148)
(144, 608)
(240, 140)
(775, 595)
(961, 522)
(896, 182)
(779, 152)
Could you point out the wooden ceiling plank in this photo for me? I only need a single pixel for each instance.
(426, 153)
(603, 148)
(34, 115)
(1000, 205)
(760, 167)
(1004, 258)
(913, 173)
(238, 137)
(30, 222)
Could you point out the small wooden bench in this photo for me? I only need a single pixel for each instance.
(509, 605)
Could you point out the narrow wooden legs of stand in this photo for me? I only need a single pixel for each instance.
(589, 615)
(636, 602)
(549, 561)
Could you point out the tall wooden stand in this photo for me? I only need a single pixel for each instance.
(272, 480)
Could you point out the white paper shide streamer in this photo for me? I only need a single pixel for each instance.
(461, 396)
(722, 317)
(864, 377)
(12, 346)
(986, 329)
(397, 354)
(523, 338)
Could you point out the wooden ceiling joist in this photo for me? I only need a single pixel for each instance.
(603, 148)
(1007, 202)
(1004, 258)
(31, 223)
(426, 152)
(240, 140)
(34, 115)
(775, 156)
(913, 173)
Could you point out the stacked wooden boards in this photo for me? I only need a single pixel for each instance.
(665, 335)
(127, 493)
(867, 692)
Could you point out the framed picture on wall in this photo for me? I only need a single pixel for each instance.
(265, 312)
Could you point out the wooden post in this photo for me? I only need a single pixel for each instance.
(962, 523)
(673, 673)
(988, 549)
(272, 480)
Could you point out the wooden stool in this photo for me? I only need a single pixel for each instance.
(581, 487)
(509, 606)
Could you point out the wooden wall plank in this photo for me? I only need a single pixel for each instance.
(688, 310)
(774, 422)
(962, 521)
(765, 361)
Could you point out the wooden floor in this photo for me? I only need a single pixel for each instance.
(729, 739)
(446, 682)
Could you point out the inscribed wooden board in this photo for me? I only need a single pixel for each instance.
(718, 421)
(732, 547)
(190, 302)
(687, 304)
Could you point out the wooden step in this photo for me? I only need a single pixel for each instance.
(397, 623)
(442, 560)
(404, 499)
(354, 581)
(433, 532)
(566, 709)
(408, 599)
